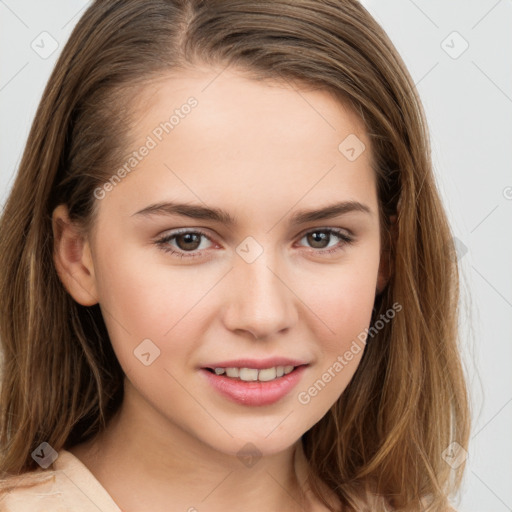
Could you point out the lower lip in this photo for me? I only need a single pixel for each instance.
(255, 392)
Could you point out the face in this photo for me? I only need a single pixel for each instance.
(242, 275)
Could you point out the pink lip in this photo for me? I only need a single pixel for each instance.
(256, 363)
(254, 393)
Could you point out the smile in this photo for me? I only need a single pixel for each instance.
(254, 374)
(252, 386)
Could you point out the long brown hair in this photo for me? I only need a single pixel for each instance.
(61, 381)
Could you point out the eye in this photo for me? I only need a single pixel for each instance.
(319, 236)
(186, 241)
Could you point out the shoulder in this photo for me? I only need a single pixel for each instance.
(32, 491)
(69, 485)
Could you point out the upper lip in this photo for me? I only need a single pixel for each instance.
(256, 363)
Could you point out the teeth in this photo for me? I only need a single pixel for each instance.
(232, 372)
(253, 374)
(267, 374)
(248, 374)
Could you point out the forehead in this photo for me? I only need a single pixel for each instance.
(246, 139)
(233, 100)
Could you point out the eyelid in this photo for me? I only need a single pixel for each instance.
(334, 229)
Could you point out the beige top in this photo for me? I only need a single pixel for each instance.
(69, 486)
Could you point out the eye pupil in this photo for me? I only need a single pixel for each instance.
(189, 239)
(318, 237)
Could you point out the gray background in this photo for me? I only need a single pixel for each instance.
(467, 96)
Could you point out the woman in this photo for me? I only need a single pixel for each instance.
(150, 372)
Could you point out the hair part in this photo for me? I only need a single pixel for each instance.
(61, 381)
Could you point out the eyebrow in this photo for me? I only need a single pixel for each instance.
(218, 215)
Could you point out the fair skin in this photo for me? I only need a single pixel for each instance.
(261, 152)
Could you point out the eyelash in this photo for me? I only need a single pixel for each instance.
(162, 243)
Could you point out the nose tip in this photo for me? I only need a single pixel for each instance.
(259, 303)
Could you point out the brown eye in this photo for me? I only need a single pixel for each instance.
(317, 239)
(183, 244)
(188, 241)
(321, 238)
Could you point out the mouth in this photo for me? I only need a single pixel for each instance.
(254, 374)
(251, 386)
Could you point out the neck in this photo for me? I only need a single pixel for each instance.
(146, 463)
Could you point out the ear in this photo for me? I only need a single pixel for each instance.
(72, 258)
(386, 264)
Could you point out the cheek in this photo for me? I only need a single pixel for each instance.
(345, 314)
(341, 348)
(342, 300)
(342, 297)
(348, 305)
(148, 297)
(143, 300)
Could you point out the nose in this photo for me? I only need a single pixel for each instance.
(261, 302)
